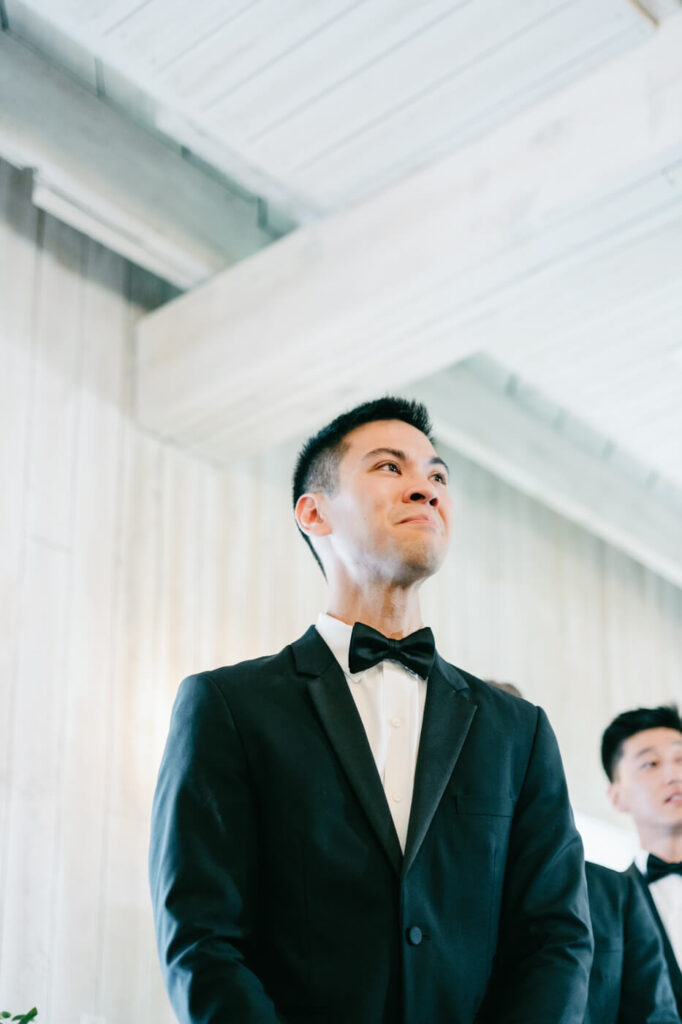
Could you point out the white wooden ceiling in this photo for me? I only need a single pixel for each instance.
(469, 176)
(328, 101)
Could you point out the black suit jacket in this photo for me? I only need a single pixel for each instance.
(629, 981)
(671, 959)
(279, 887)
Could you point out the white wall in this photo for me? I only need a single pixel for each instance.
(124, 565)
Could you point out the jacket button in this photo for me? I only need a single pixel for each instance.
(414, 935)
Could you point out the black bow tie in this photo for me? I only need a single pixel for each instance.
(367, 648)
(657, 868)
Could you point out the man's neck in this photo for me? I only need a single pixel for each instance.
(666, 845)
(395, 612)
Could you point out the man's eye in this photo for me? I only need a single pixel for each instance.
(393, 466)
(441, 478)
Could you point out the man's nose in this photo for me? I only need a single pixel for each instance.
(424, 490)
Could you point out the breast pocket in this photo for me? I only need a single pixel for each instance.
(493, 806)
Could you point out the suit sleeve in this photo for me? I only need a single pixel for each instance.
(203, 864)
(545, 944)
(646, 990)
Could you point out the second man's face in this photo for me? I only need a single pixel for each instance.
(391, 514)
(648, 779)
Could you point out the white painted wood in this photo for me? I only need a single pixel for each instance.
(127, 187)
(244, 41)
(54, 419)
(102, 15)
(329, 64)
(480, 97)
(657, 10)
(498, 433)
(379, 294)
(87, 694)
(163, 33)
(32, 818)
(365, 40)
(448, 85)
(19, 251)
(51, 41)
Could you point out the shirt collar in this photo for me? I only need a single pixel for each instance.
(641, 858)
(336, 634)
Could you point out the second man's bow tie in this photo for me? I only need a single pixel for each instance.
(368, 648)
(657, 868)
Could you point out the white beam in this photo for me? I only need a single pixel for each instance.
(108, 177)
(495, 431)
(374, 297)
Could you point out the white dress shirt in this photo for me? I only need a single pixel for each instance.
(390, 701)
(667, 895)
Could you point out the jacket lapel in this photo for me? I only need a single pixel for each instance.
(674, 968)
(448, 714)
(340, 719)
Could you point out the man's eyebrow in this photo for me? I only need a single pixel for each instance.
(395, 452)
(398, 454)
(645, 750)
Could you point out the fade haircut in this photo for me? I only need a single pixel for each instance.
(667, 716)
(317, 465)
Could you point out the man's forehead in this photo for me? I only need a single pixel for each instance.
(651, 740)
(389, 434)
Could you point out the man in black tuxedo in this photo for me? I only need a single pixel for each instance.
(353, 831)
(629, 981)
(642, 757)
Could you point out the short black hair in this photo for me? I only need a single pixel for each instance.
(627, 724)
(318, 460)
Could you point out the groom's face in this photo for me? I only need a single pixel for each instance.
(391, 512)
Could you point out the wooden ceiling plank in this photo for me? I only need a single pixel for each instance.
(244, 48)
(162, 31)
(401, 79)
(368, 36)
(482, 97)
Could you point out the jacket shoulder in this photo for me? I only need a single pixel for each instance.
(260, 672)
(494, 701)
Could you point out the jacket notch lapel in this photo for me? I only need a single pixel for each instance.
(447, 718)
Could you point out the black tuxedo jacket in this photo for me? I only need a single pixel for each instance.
(671, 959)
(629, 981)
(279, 887)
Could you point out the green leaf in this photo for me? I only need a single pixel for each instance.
(24, 1018)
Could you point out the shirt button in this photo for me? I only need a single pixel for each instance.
(397, 797)
(395, 721)
(414, 935)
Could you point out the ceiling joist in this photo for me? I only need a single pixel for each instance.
(100, 172)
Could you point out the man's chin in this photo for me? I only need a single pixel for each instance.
(421, 564)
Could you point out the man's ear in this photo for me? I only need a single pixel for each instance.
(617, 797)
(310, 515)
